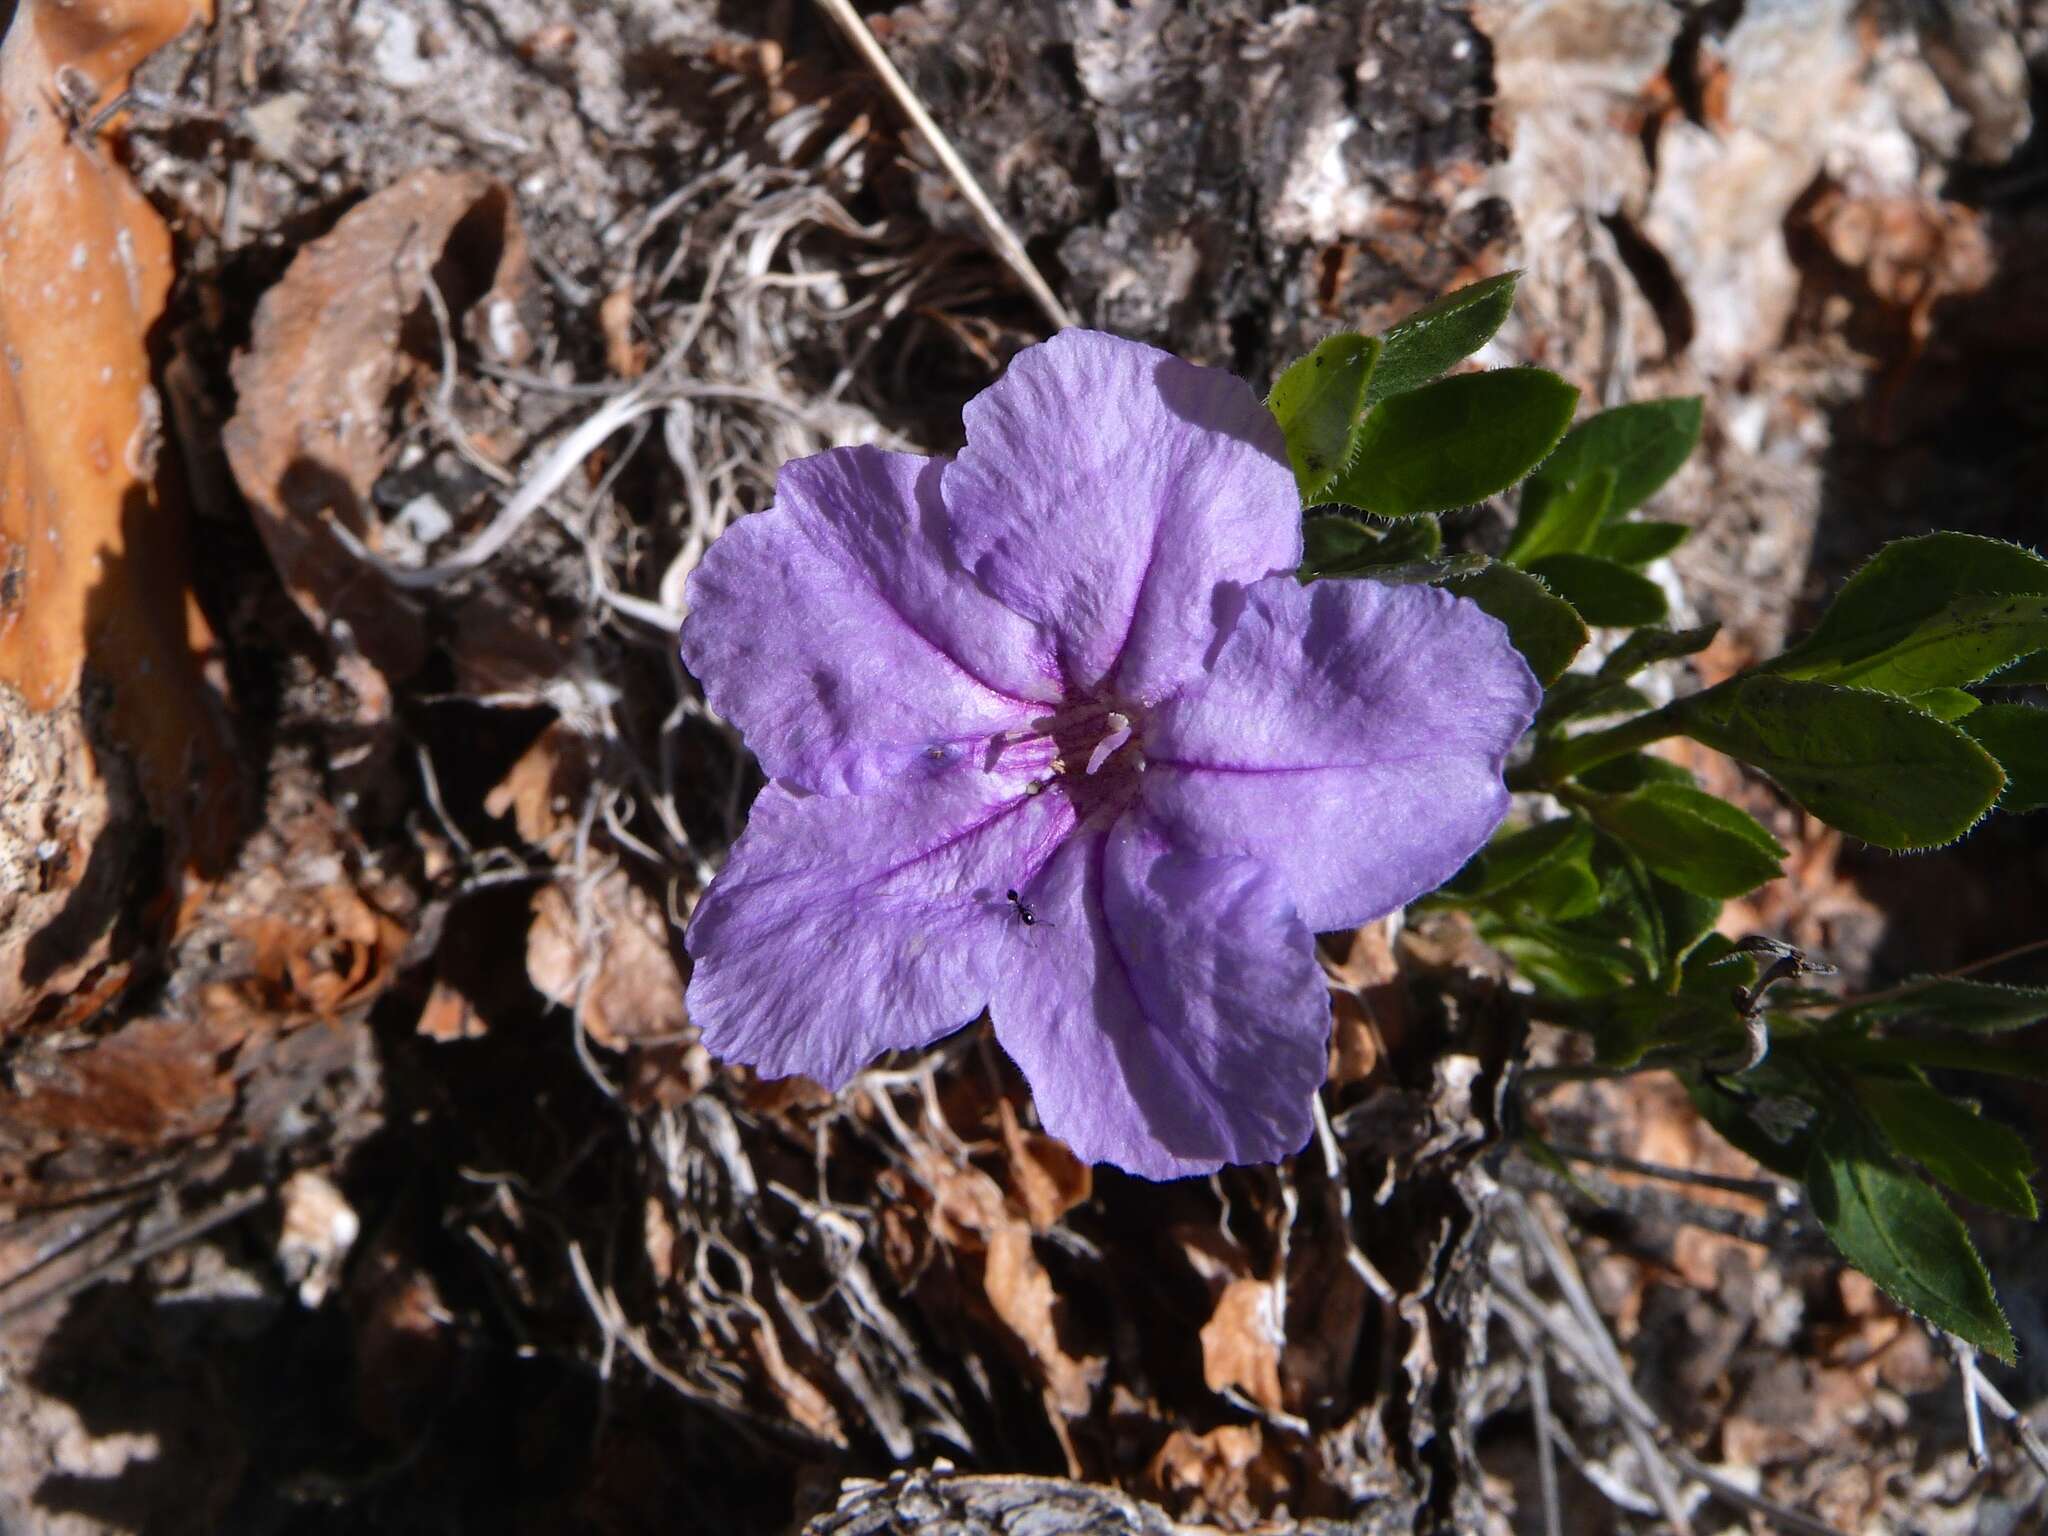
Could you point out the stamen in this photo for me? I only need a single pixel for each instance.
(1119, 732)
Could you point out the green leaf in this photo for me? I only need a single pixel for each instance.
(1619, 775)
(1688, 919)
(1643, 444)
(1565, 523)
(1718, 966)
(1697, 841)
(1506, 861)
(1582, 695)
(1988, 1007)
(1763, 1120)
(1627, 1026)
(2017, 735)
(1933, 612)
(1638, 543)
(1647, 647)
(1335, 545)
(1603, 592)
(1873, 766)
(1898, 1231)
(1318, 402)
(1979, 1159)
(1947, 704)
(1556, 960)
(1440, 334)
(1545, 629)
(1934, 1055)
(1454, 442)
(1627, 914)
(2022, 674)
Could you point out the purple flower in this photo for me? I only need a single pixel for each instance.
(1053, 731)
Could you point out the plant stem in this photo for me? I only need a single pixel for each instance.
(1561, 760)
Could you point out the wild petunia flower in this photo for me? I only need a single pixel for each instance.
(1052, 731)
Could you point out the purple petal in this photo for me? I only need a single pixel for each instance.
(848, 925)
(1114, 493)
(1166, 1008)
(1350, 736)
(838, 633)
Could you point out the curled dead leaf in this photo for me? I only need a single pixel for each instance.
(156, 1082)
(544, 788)
(348, 327)
(1022, 1294)
(604, 948)
(1046, 1180)
(1242, 1340)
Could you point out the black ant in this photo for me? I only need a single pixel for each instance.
(1029, 917)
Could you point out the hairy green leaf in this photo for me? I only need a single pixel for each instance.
(1932, 612)
(1318, 402)
(1545, 629)
(1979, 1159)
(1334, 545)
(1987, 1007)
(1603, 592)
(1871, 765)
(1898, 1231)
(2030, 673)
(1947, 704)
(1452, 443)
(1647, 647)
(1441, 334)
(1619, 775)
(1697, 841)
(1566, 522)
(1767, 1117)
(1638, 543)
(2017, 735)
(1583, 696)
(1643, 444)
(1558, 961)
(1508, 860)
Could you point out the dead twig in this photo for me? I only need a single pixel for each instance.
(1004, 239)
(176, 1235)
(1581, 1338)
(1977, 1387)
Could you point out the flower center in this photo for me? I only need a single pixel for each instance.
(1097, 757)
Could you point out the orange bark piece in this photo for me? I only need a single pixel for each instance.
(93, 571)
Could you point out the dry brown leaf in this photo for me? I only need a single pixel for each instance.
(321, 951)
(154, 1082)
(543, 788)
(800, 1397)
(1354, 1042)
(1242, 1340)
(1046, 1180)
(448, 1015)
(1225, 1474)
(333, 343)
(1021, 1292)
(625, 353)
(968, 1207)
(607, 950)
